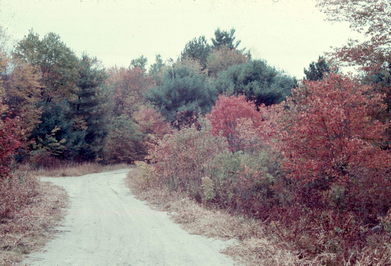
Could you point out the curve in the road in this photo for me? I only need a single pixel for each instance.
(107, 225)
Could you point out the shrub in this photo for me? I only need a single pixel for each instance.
(152, 124)
(386, 221)
(208, 188)
(246, 127)
(226, 116)
(246, 182)
(123, 142)
(313, 168)
(185, 119)
(42, 158)
(145, 176)
(8, 145)
(339, 172)
(16, 189)
(331, 148)
(179, 159)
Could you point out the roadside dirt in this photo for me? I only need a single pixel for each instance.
(106, 225)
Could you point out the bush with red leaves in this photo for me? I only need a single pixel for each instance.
(16, 190)
(8, 144)
(228, 114)
(340, 175)
(312, 168)
(332, 148)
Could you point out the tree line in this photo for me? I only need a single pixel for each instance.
(72, 108)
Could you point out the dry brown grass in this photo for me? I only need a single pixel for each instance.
(76, 169)
(32, 225)
(253, 245)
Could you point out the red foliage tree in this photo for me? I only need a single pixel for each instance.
(17, 190)
(8, 145)
(331, 146)
(372, 52)
(228, 114)
(8, 131)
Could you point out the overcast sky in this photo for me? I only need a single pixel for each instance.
(288, 34)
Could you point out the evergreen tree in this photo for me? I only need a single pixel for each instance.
(157, 66)
(259, 82)
(182, 89)
(88, 110)
(54, 134)
(224, 38)
(155, 70)
(197, 49)
(139, 62)
(317, 70)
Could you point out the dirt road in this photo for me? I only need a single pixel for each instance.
(106, 225)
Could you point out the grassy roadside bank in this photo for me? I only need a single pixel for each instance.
(253, 245)
(32, 225)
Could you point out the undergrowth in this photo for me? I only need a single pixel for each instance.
(252, 244)
(29, 211)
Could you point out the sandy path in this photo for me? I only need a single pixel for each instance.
(106, 225)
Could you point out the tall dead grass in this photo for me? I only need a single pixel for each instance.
(74, 169)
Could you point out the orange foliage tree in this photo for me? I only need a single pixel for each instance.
(23, 93)
(222, 58)
(128, 87)
(152, 124)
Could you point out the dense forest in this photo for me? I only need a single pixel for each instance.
(309, 156)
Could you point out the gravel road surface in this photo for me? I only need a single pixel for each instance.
(106, 225)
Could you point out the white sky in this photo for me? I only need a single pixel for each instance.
(289, 34)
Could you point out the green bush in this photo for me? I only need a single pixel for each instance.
(124, 142)
(180, 159)
(245, 182)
